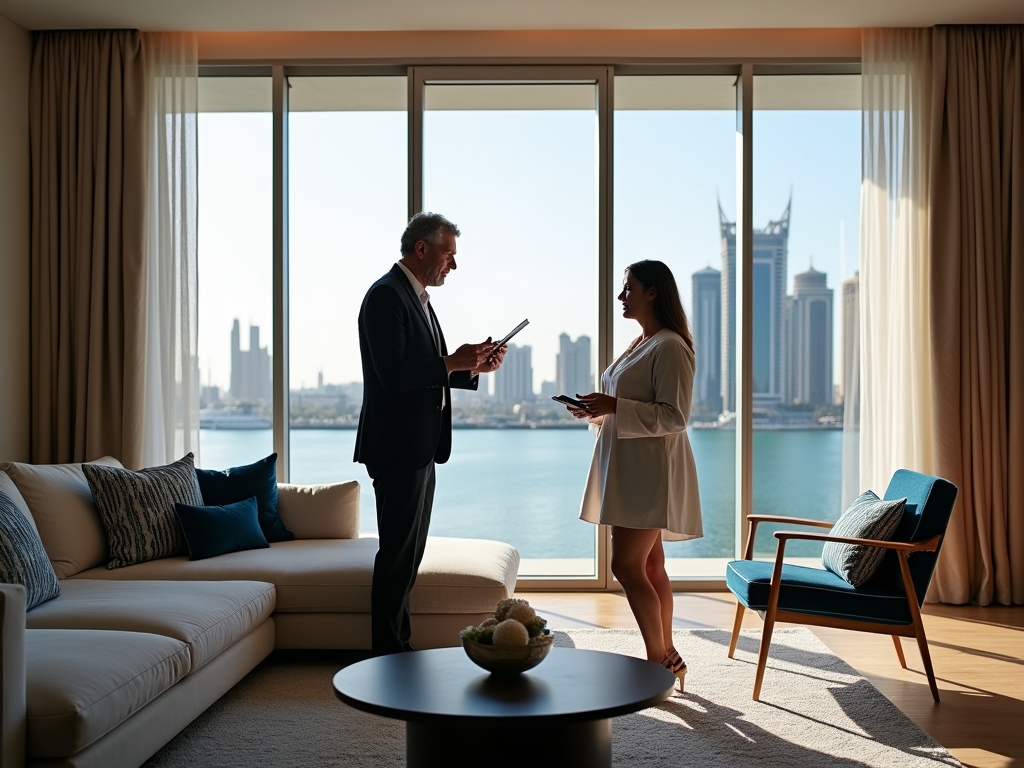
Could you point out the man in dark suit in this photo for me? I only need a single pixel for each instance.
(405, 426)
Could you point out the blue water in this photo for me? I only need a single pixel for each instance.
(523, 486)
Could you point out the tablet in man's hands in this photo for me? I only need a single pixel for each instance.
(512, 333)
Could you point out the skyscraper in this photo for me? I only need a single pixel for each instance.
(513, 381)
(707, 340)
(236, 360)
(771, 255)
(851, 338)
(810, 345)
(250, 369)
(572, 366)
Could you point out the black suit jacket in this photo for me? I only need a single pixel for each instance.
(402, 422)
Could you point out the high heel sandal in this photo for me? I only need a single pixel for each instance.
(674, 664)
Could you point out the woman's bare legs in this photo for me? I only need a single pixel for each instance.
(659, 580)
(631, 550)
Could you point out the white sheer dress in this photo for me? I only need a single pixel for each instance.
(643, 474)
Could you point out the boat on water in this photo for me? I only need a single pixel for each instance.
(231, 418)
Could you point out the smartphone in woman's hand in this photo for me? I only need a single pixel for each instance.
(566, 400)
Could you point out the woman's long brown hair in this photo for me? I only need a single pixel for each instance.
(667, 306)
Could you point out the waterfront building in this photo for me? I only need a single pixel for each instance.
(707, 340)
(789, 373)
(810, 339)
(513, 381)
(572, 366)
(250, 368)
(851, 338)
(771, 254)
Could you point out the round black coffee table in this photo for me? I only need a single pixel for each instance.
(558, 713)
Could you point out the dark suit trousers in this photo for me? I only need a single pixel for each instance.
(404, 501)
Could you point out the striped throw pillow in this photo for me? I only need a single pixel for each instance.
(867, 518)
(22, 557)
(137, 508)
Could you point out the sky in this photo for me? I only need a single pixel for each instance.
(522, 187)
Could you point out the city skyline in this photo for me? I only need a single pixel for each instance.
(669, 167)
(808, 374)
(250, 372)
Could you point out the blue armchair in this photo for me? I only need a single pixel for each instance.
(888, 604)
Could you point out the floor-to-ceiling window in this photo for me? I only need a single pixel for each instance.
(806, 212)
(554, 195)
(235, 269)
(347, 203)
(675, 201)
(515, 164)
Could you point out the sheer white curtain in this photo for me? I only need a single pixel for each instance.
(171, 365)
(896, 390)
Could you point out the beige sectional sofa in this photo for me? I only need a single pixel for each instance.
(123, 659)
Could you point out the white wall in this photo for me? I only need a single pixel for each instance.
(15, 56)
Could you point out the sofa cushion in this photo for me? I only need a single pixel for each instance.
(207, 616)
(8, 488)
(313, 576)
(217, 530)
(65, 515)
(320, 511)
(868, 517)
(22, 557)
(258, 479)
(81, 684)
(137, 508)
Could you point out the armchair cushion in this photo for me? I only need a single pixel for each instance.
(867, 518)
(816, 592)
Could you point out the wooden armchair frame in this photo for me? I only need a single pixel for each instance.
(772, 613)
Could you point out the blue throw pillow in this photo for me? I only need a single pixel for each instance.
(867, 518)
(22, 557)
(239, 483)
(212, 531)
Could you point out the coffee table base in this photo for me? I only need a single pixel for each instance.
(510, 743)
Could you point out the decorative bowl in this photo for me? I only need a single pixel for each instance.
(508, 660)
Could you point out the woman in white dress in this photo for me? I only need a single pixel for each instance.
(643, 480)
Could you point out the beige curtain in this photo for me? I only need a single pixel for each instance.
(896, 360)
(87, 275)
(977, 322)
(942, 287)
(171, 425)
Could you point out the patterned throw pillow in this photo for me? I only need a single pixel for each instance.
(22, 557)
(137, 508)
(867, 518)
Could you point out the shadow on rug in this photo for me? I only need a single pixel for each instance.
(815, 710)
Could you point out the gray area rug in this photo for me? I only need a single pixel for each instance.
(815, 710)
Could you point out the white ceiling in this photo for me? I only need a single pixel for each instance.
(364, 15)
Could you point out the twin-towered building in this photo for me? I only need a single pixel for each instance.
(513, 382)
(792, 334)
(250, 368)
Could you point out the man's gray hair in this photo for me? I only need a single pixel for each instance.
(426, 226)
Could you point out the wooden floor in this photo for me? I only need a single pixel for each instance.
(977, 653)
